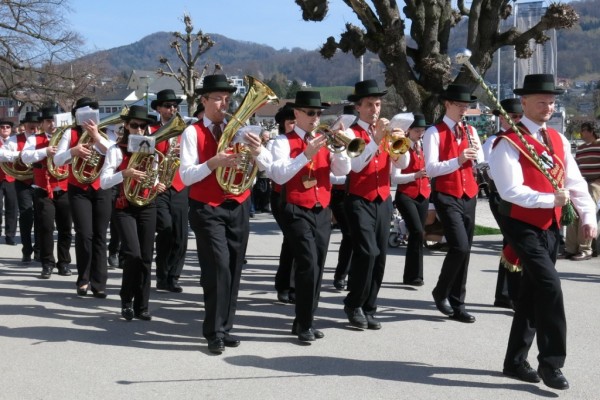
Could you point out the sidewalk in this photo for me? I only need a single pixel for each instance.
(56, 345)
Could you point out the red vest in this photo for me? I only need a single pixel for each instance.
(75, 135)
(543, 218)
(208, 190)
(4, 176)
(374, 179)
(41, 177)
(163, 147)
(319, 168)
(460, 182)
(419, 186)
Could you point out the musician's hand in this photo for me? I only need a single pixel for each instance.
(80, 151)
(160, 187)
(589, 231)
(134, 174)
(254, 143)
(561, 197)
(381, 129)
(314, 145)
(51, 151)
(92, 129)
(226, 158)
(467, 154)
(421, 174)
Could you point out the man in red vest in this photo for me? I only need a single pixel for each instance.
(51, 200)
(368, 205)
(302, 163)
(530, 212)
(220, 219)
(7, 185)
(171, 206)
(451, 150)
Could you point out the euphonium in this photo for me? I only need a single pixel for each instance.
(238, 179)
(157, 166)
(86, 170)
(57, 172)
(18, 169)
(339, 143)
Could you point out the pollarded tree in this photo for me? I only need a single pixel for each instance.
(420, 72)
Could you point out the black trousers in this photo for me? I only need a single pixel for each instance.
(457, 215)
(221, 241)
(49, 212)
(137, 226)
(309, 231)
(114, 244)
(171, 234)
(414, 213)
(283, 277)
(345, 251)
(540, 309)
(261, 192)
(91, 210)
(26, 216)
(8, 203)
(508, 283)
(370, 230)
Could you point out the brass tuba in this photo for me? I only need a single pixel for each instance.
(87, 170)
(238, 179)
(339, 143)
(57, 172)
(18, 169)
(157, 166)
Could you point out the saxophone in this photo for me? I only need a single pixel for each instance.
(238, 179)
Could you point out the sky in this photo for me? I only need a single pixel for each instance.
(105, 24)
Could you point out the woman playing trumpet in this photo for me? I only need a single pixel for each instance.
(136, 224)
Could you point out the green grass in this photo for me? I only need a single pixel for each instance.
(484, 230)
(334, 94)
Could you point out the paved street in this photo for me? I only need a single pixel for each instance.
(55, 345)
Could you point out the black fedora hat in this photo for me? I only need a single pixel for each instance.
(285, 113)
(349, 110)
(138, 112)
(6, 122)
(31, 116)
(366, 88)
(511, 106)
(164, 96)
(456, 92)
(215, 83)
(199, 109)
(48, 113)
(419, 121)
(538, 84)
(308, 99)
(85, 102)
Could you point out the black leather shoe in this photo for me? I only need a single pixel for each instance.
(414, 282)
(523, 372)
(10, 241)
(356, 317)
(462, 316)
(82, 291)
(46, 272)
(144, 316)
(504, 304)
(306, 336)
(283, 296)
(443, 306)
(372, 322)
(64, 270)
(113, 260)
(26, 258)
(162, 286)
(36, 256)
(174, 287)
(339, 284)
(230, 341)
(100, 294)
(127, 313)
(318, 334)
(553, 378)
(216, 345)
(292, 297)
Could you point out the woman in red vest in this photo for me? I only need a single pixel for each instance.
(8, 195)
(136, 224)
(412, 201)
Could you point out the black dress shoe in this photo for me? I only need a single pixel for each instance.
(462, 316)
(144, 316)
(46, 272)
(292, 297)
(372, 322)
(64, 270)
(318, 334)
(443, 306)
(10, 241)
(356, 317)
(283, 296)
(82, 290)
(216, 345)
(162, 286)
(230, 341)
(113, 260)
(523, 372)
(414, 282)
(100, 294)
(36, 256)
(174, 287)
(504, 304)
(26, 258)
(306, 336)
(339, 284)
(553, 378)
(127, 313)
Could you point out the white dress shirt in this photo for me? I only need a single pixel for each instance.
(508, 176)
(8, 150)
(63, 154)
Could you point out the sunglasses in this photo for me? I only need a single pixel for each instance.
(5, 126)
(169, 105)
(135, 125)
(312, 113)
(516, 116)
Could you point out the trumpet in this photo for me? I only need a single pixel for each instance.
(396, 146)
(339, 143)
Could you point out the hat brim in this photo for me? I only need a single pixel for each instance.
(355, 97)
(448, 97)
(156, 103)
(229, 89)
(321, 107)
(522, 92)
